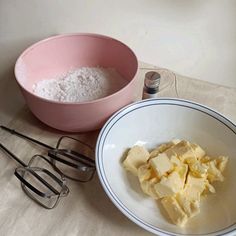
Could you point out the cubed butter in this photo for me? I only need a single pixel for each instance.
(198, 169)
(178, 173)
(198, 151)
(182, 149)
(175, 160)
(170, 185)
(213, 173)
(194, 187)
(161, 164)
(182, 171)
(144, 172)
(148, 187)
(191, 208)
(205, 159)
(221, 162)
(175, 212)
(137, 156)
(209, 188)
(163, 147)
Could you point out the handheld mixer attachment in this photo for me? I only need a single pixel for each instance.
(72, 164)
(39, 180)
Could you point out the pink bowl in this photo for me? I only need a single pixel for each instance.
(57, 55)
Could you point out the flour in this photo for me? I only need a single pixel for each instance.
(83, 84)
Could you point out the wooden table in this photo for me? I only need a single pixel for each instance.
(87, 210)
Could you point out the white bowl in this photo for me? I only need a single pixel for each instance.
(154, 121)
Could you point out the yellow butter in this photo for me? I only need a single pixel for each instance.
(170, 185)
(161, 164)
(177, 173)
(137, 156)
(163, 147)
(144, 172)
(190, 207)
(148, 187)
(194, 187)
(198, 169)
(198, 151)
(213, 173)
(175, 212)
(221, 162)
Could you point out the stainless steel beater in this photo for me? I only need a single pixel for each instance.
(41, 184)
(72, 164)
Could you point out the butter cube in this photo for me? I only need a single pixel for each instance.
(194, 187)
(161, 164)
(213, 173)
(221, 163)
(209, 187)
(175, 141)
(182, 149)
(148, 187)
(172, 157)
(182, 171)
(175, 212)
(161, 148)
(198, 151)
(190, 207)
(205, 159)
(175, 160)
(198, 169)
(191, 160)
(137, 156)
(170, 185)
(144, 172)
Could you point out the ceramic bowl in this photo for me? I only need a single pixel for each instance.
(57, 55)
(155, 121)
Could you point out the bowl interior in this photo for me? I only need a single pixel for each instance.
(57, 55)
(153, 122)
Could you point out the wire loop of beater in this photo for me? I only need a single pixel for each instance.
(43, 179)
(72, 164)
(39, 180)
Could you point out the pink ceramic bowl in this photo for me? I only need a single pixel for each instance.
(57, 55)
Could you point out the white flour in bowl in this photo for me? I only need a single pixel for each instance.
(83, 84)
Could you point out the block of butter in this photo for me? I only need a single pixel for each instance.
(137, 156)
(178, 173)
(174, 210)
(161, 164)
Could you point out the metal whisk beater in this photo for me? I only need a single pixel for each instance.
(42, 185)
(70, 163)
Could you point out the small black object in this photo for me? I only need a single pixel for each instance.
(151, 84)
